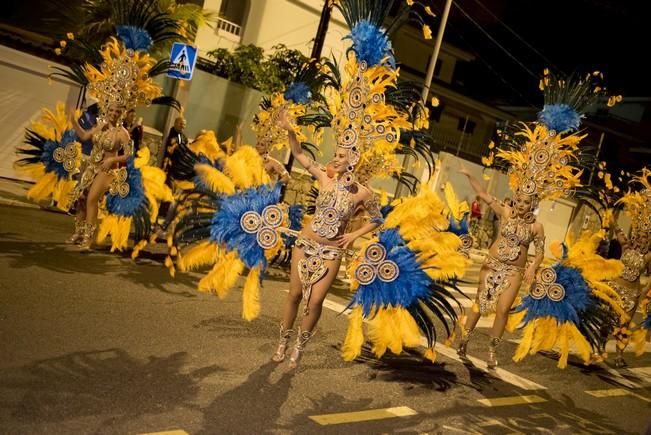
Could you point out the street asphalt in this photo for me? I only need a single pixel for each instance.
(100, 344)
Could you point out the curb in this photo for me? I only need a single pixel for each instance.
(16, 203)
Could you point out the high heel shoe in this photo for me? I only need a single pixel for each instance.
(492, 352)
(78, 235)
(88, 239)
(285, 334)
(463, 343)
(302, 338)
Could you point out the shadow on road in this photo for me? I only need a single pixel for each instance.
(252, 407)
(107, 382)
(57, 257)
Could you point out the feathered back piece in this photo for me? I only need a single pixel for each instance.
(402, 279)
(52, 155)
(570, 302)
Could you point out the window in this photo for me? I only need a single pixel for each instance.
(437, 68)
(466, 126)
(435, 112)
(234, 11)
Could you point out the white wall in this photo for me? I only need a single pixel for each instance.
(24, 93)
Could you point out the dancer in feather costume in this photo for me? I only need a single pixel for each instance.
(373, 120)
(542, 164)
(636, 259)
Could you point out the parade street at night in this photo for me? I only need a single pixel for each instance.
(131, 351)
(324, 217)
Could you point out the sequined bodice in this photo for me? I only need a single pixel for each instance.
(106, 140)
(516, 232)
(633, 264)
(334, 208)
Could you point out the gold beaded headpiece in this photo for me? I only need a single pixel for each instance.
(542, 166)
(122, 79)
(363, 124)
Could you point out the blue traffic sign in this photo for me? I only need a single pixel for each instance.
(182, 60)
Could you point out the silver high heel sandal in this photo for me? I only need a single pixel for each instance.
(492, 352)
(78, 235)
(302, 338)
(285, 334)
(463, 343)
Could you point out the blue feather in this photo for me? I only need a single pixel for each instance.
(385, 210)
(134, 38)
(298, 92)
(459, 228)
(135, 202)
(47, 157)
(296, 213)
(578, 299)
(371, 43)
(646, 323)
(411, 285)
(225, 228)
(559, 117)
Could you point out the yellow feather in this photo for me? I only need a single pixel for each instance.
(246, 168)
(206, 143)
(62, 191)
(430, 354)
(564, 345)
(352, 347)
(142, 157)
(33, 170)
(409, 332)
(216, 180)
(136, 249)
(582, 346)
(457, 209)
(524, 346)
(638, 339)
(515, 320)
(169, 263)
(251, 295)
(202, 254)
(223, 275)
(382, 333)
(118, 228)
(43, 187)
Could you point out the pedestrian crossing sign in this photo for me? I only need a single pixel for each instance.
(182, 61)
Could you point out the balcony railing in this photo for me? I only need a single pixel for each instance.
(228, 29)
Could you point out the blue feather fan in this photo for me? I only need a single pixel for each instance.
(226, 230)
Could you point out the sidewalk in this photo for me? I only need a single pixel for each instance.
(14, 192)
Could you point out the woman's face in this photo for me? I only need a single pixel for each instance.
(131, 116)
(260, 148)
(114, 114)
(522, 204)
(339, 161)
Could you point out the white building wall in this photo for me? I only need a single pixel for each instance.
(26, 91)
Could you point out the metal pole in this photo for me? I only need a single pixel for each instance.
(430, 70)
(596, 157)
